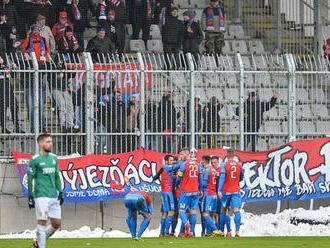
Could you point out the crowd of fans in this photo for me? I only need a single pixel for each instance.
(48, 27)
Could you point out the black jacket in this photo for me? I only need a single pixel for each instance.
(114, 116)
(11, 13)
(253, 112)
(191, 40)
(167, 115)
(97, 46)
(172, 32)
(211, 118)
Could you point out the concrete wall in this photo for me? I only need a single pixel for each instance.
(15, 215)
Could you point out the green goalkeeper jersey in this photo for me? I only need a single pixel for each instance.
(43, 176)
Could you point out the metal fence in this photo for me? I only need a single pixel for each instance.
(115, 104)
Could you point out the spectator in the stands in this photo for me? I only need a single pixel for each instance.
(68, 42)
(198, 111)
(114, 114)
(167, 120)
(110, 26)
(46, 33)
(46, 8)
(141, 17)
(58, 29)
(253, 116)
(213, 24)
(8, 24)
(100, 45)
(162, 11)
(78, 15)
(36, 43)
(133, 112)
(172, 35)
(193, 35)
(119, 7)
(211, 120)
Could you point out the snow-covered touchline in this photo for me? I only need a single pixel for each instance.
(252, 225)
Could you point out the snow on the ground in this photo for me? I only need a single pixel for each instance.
(252, 225)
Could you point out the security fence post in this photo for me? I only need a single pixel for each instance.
(241, 102)
(36, 103)
(191, 67)
(89, 103)
(142, 118)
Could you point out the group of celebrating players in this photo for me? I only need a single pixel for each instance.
(187, 185)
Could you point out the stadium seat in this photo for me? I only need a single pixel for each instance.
(155, 46)
(227, 48)
(236, 31)
(271, 114)
(323, 127)
(272, 127)
(280, 80)
(263, 79)
(317, 95)
(231, 111)
(256, 47)
(217, 92)
(283, 94)
(321, 111)
(302, 95)
(259, 62)
(249, 81)
(306, 127)
(211, 79)
(283, 111)
(184, 4)
(229, 79)
(265, 94)
(199, 4)
(246, 62)
(137, 46)
(303, 111)
(231, 94)
(155, 32)
(239, 46)
(200, 92)
(262, 145)
(199, 13)
(129, 30)
(234, 126)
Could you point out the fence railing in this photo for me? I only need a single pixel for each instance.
(114, 104)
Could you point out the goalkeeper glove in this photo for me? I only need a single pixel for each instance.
(60, 198)
(31, 202)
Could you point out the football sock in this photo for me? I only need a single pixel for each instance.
(174, 224)
(237, 220)
(162, 225)
(193, 220)
(168, 224)
(143, 227)
(222, 222)
(210, 223)
(228, 223)
(50, 230)
(133, 226)
(41, 236)
(183, 218)
(203, 225)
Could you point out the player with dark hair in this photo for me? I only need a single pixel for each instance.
(138, 202)
(45, 190)
(191, 176)
(229, 189)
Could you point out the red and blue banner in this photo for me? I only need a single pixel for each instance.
(296, 171)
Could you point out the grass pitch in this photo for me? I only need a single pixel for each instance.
(266, 242)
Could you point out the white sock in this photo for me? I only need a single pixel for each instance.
(41, 236)
(50, 230)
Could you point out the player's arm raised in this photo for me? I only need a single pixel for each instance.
(222, 179)
(31, 182)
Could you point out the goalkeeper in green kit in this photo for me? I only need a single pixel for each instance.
(45, 190)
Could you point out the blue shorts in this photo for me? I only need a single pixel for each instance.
(209, 204)
(136, 203)
(233, 200)
(188, 201)
(167, 202)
